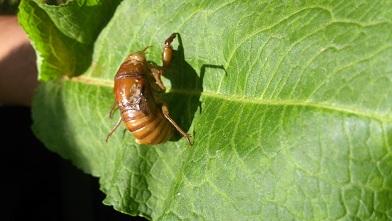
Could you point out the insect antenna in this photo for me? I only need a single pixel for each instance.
(146, 49)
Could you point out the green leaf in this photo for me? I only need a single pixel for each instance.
(297, 125)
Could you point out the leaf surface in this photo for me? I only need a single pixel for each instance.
(289, 105)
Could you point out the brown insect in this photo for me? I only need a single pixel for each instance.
(144, 115)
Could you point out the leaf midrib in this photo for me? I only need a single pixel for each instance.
(255, 100)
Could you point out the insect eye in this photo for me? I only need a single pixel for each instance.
(138, 56)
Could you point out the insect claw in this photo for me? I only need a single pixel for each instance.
(188, 138)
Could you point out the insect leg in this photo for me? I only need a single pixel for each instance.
(165, 112)
(112, 109)
(114, 128)
(167, 53)
(157, 76)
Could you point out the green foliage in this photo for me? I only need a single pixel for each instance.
(298, 124)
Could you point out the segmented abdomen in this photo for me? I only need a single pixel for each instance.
(148, 129)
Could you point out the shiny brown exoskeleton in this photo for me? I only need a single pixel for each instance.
(144, 115)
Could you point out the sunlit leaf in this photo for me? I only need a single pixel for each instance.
(288, 103)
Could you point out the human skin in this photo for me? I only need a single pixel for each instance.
(18, 70)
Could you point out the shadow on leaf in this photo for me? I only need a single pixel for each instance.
(186, 87)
